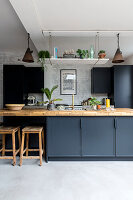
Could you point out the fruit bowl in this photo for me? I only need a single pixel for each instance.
(14, 106)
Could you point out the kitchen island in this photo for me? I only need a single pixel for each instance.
(80, 135)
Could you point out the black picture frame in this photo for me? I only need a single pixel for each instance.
(63, 73)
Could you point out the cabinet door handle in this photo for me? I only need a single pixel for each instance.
(115, 123)
(80, 123)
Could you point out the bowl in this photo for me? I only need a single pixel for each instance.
(14, 106)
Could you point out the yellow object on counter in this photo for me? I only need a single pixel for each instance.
(107, 103)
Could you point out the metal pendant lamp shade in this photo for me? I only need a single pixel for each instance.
(28, 54)
(118, 58)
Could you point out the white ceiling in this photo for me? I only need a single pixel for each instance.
(107, 16)
(85, 14)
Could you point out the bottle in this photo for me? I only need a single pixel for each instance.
(55, 52)
(107, 103)
(91, 52)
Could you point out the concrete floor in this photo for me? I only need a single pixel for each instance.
(66, 181)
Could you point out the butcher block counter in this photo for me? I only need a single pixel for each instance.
(43, 112)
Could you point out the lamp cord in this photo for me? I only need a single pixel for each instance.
(118, 40)
(28, 39)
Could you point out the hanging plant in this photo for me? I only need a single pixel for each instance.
(42, 56)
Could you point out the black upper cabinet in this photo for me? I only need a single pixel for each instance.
(123, 86)
(101, 80)
(13, 88)
(34, 79)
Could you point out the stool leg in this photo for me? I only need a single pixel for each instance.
(40, 147)
(27, 144)
(19, 138)
(43, 142)
(22, 147)
(14, 148)
(3, 144)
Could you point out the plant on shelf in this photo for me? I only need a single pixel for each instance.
(101, 54)
(94, 102)
(48, 94)
(82, 53)
(42, 55)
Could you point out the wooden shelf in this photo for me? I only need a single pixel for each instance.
(77, 61)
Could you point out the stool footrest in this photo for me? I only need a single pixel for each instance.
(6, 157)
(31, 157)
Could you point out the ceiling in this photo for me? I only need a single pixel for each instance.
(65, 18)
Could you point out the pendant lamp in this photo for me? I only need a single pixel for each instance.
(28, 54)
(118, 58)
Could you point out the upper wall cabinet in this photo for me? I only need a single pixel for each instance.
(101, 80)
(13, 87)
(34, 79)
(123, 86)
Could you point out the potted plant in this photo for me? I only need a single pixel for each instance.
(94, 102)
(82, 53)
(101, 54)
(48, 94)
(42, 55)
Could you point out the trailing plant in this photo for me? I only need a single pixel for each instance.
(93, 101)
(49, 93)
(82, 53)
(42, 56)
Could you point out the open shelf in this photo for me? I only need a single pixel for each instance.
(77, 61)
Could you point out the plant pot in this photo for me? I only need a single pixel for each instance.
(98, 107)
(101, 55)
(51, 106)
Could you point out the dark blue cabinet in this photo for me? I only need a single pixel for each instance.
(124, 136)
(101, 80)
(63, 136)
(89, 138)
(98, 136)
(34, 79)
(123, 89)
(13, 84)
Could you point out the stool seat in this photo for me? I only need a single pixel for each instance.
(8, 129)
(32, 129)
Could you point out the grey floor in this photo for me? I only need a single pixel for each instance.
(66, 181)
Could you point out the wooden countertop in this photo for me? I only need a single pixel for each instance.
(43, 112)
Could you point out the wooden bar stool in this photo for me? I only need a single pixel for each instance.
(32, 130)
(10, 130)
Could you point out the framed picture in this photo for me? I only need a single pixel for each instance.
(68, 81)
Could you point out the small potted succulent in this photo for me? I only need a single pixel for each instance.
(94, 102)
(48, 93)
(101, 54)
